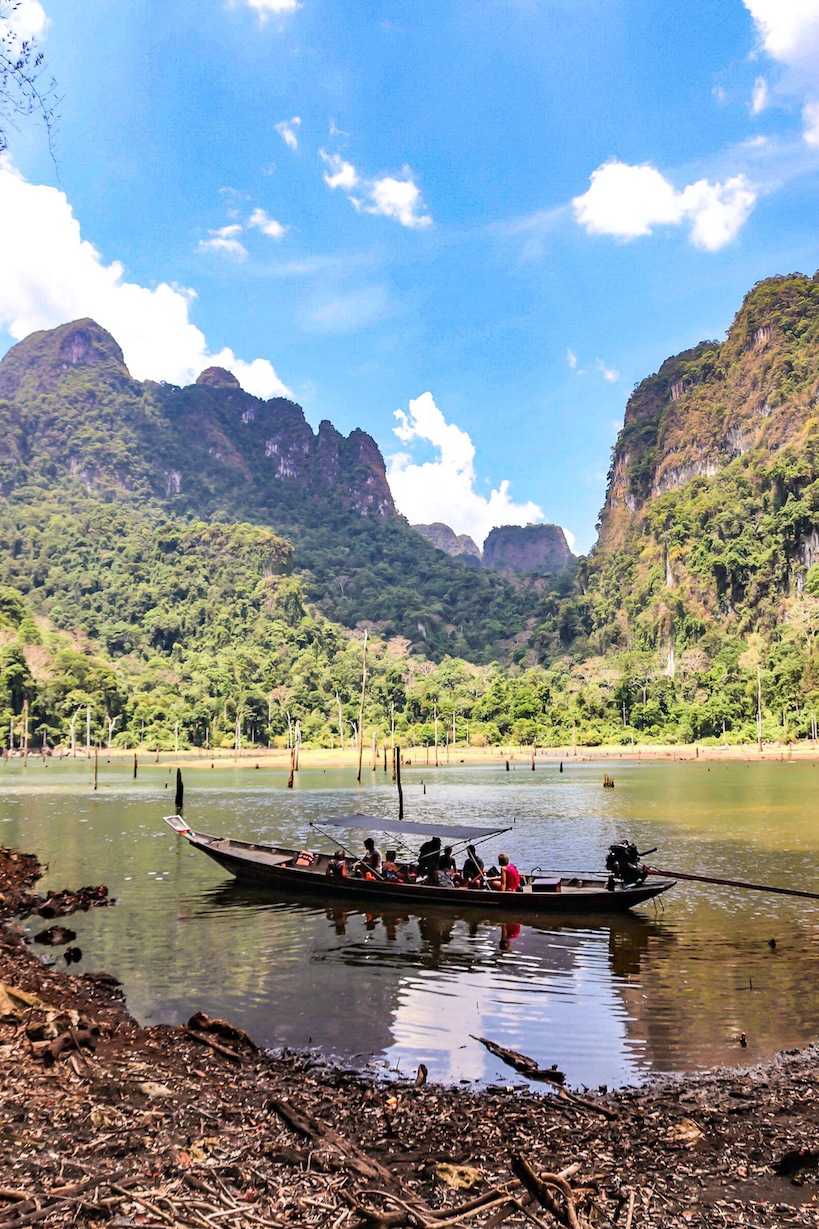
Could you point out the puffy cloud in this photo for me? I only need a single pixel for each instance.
(444, 489)
(224, 242)
(789, 29)
(399, 199)
(628, 201)
(287, 131)
(341, 174)
(267, 225)
(571, 358)
(25, 19)
(789, 33)
(52, 275)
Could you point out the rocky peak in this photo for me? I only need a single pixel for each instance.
(527, 548)
(40, 360)
(217, 377)
(459, 546)
(709, 405)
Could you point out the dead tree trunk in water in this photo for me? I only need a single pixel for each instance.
(398, 781)
(292, 767)
(361, 709)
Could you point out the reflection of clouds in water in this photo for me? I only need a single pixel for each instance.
(433, 1025)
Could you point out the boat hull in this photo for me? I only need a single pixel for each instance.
(264, 866)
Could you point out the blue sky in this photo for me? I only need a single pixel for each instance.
(488, 217)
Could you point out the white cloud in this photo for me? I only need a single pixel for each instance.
(342, 174)
(265, 7)
(789, 29)
(399, 199)
(628, 201)
(444, 489)
(571, 359)
(287, 131)
(267, 225)
(759, 98)
(52, 275)
(789, 33)
(224, 242)
(25, 19)
(608, 373)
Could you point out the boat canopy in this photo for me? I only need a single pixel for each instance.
(459, 832)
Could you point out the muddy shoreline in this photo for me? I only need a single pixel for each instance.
(132, 1126)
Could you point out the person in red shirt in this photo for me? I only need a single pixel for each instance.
(509, 876)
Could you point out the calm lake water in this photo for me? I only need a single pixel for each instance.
(615, 1001)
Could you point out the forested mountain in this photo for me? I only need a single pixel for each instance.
(77, 425)
(705, 567)
(195, 556)
(199, 556)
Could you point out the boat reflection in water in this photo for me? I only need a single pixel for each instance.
(401, 986)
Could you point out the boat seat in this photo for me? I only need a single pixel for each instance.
(541, 883)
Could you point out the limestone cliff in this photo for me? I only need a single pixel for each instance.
(459, 546)
(208, 448)
(527, 548)
(707, 406)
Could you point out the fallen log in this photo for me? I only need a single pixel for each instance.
(522, 1063)
(226, 1051)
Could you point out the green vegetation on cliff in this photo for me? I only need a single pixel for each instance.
(146, 573)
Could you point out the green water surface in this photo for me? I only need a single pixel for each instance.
(610, 1001)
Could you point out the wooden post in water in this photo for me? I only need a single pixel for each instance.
(436, 733)
(398, 781)
(385, 753)
(96, 765)
(297, 746)
(393, 763)
(135, 766)
(180, 792)
(534, 753)
(361, 708)
(292, 767)
(375, 753)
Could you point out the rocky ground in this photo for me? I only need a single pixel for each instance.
(106, 1123)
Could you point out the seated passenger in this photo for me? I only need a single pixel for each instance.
(509, 876)
(428, 858)
(391, 871)
(370, 865)
(337, 865)
(473, 869)
(446, 862)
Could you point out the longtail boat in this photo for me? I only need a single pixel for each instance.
(302, 872)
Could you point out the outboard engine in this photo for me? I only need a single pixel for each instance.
(624, 865)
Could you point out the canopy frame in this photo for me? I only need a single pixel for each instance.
(461, 832)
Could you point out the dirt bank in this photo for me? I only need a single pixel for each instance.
(106, 1123)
